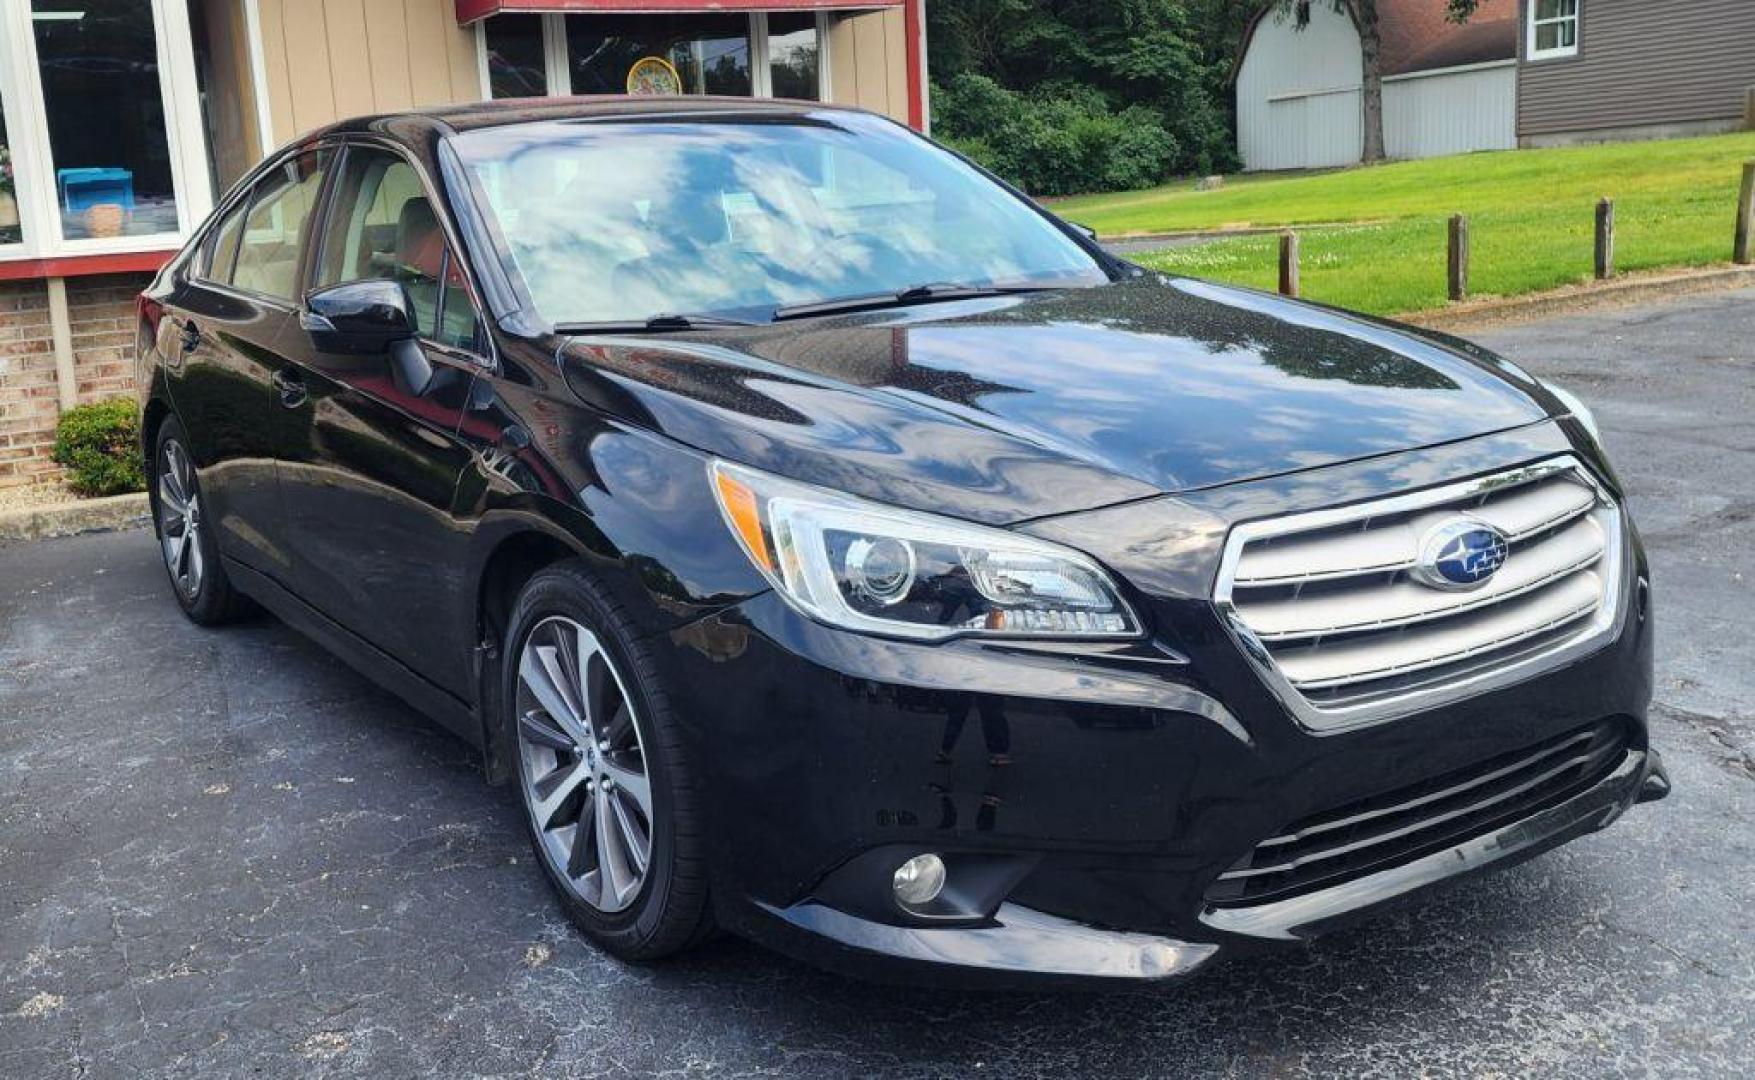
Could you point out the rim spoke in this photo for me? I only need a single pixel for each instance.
(635, 783)
(174, 475)
(534, 673)
(175, 506)
(612, 869)
(554, 665)
(582, 848)
(554, 790)
(600, 688)
(535, 729)
(620, 733)
(179, 562)
(634, 840)
(196, 559)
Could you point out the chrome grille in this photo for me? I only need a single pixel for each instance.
(1328, 605)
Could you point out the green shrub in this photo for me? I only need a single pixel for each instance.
(100, 446)
(1064, 140)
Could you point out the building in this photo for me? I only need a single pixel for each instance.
(1520, 73)
(1447, 89)
(121, 122)
(1593, 70)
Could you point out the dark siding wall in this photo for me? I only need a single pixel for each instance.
(1641, 62)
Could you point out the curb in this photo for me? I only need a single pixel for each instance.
(73, 518)
(1566, 301)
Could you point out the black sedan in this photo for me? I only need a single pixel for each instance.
(834, 547)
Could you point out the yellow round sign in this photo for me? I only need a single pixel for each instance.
(653, 75)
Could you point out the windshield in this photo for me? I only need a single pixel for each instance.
(624, 221)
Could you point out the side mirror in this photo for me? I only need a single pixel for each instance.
(358, 318)
(1085, 230)
(370, 318)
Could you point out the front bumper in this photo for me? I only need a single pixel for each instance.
(1113, 784)
(1021, 942)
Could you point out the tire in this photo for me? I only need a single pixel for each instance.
(586, 727)
(193, 567)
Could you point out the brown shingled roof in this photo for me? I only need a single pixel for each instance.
(1417, 36)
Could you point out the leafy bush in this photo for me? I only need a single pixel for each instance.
(100, 445)
(1085, 96)
(1062, 141)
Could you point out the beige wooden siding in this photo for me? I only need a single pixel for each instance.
(868, 62)
(325, 60)
(1641, 64)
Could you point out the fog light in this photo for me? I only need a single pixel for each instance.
(919, 880)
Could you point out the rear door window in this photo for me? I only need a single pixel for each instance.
(274, 229)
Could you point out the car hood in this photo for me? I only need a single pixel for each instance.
(1018, 407)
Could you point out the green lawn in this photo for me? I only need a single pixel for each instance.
(1530, 217)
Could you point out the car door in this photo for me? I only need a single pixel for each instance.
(369, 510)
(227, 378)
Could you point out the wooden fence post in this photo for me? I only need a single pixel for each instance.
(1459, 258)
(1289, 263)
(1605, 239)
(1744, 253)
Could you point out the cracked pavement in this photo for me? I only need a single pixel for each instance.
(223, 852)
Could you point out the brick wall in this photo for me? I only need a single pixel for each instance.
(101, 310)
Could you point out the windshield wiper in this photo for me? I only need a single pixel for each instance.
(914, 294)
(655, 324)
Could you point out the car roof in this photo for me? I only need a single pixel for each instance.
(488, 114)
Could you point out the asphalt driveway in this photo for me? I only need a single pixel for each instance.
(223, 853)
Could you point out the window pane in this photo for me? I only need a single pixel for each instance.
(1547, 9)
(11, 231)
(709, 54)
(740, 217)
(223, 248)
(106, 119)
(383, 227)
(268, 258)
(1547, 36)
(516, 66)
(457, 324)
(793, 56)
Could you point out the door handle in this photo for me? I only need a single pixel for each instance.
(291, 386)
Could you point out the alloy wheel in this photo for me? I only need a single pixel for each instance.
(179, 520)
(582, 765)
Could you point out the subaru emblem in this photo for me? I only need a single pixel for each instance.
(1462, 553)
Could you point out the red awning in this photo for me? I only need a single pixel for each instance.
(469, 11)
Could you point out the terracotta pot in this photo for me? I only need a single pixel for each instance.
(104, 219)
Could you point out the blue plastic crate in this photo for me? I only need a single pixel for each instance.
(83, 188)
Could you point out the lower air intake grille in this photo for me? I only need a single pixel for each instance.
(1373, 834)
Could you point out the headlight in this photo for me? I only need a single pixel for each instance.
(866, 567)
(1577, 408)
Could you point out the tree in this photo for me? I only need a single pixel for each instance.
(1079, 95)
(1363, 14)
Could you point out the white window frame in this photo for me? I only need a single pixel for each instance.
(559, 74)
(27, 129)
(1532, 22)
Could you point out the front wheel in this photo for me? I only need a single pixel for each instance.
(607, 795)
(191, 554)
